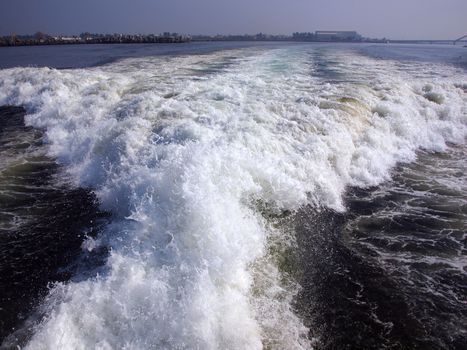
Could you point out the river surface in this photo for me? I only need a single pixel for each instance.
(233, 196)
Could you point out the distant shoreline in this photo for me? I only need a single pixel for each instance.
(46, 40)
(416, 42)
(40, 39)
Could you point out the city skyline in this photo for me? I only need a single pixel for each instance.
(397, 19)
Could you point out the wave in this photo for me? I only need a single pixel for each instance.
(184, 151)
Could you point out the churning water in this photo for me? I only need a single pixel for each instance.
(283, 197)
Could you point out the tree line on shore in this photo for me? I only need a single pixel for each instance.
(40, 38)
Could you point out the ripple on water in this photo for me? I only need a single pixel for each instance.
(43, 221)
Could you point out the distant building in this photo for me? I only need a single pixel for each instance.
(67, 38)
(323, 35)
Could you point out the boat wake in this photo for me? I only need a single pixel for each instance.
(195, 156)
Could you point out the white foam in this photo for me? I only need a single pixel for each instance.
(179, 157)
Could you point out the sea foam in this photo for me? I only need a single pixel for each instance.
(182, 149)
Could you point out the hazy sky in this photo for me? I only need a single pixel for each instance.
(404, 19)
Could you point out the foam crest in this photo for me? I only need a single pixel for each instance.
(180, 155)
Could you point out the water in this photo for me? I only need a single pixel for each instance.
(43, 220)
(80, 56)
(260, 196)
(390, 272)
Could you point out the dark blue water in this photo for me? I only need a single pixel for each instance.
(390, 273)
(43, 220)
(79, 56)
(453, 54)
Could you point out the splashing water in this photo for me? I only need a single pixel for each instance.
(185, 150)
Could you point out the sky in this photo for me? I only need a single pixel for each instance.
(392, 19)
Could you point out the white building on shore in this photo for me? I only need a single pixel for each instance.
(323, 35)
